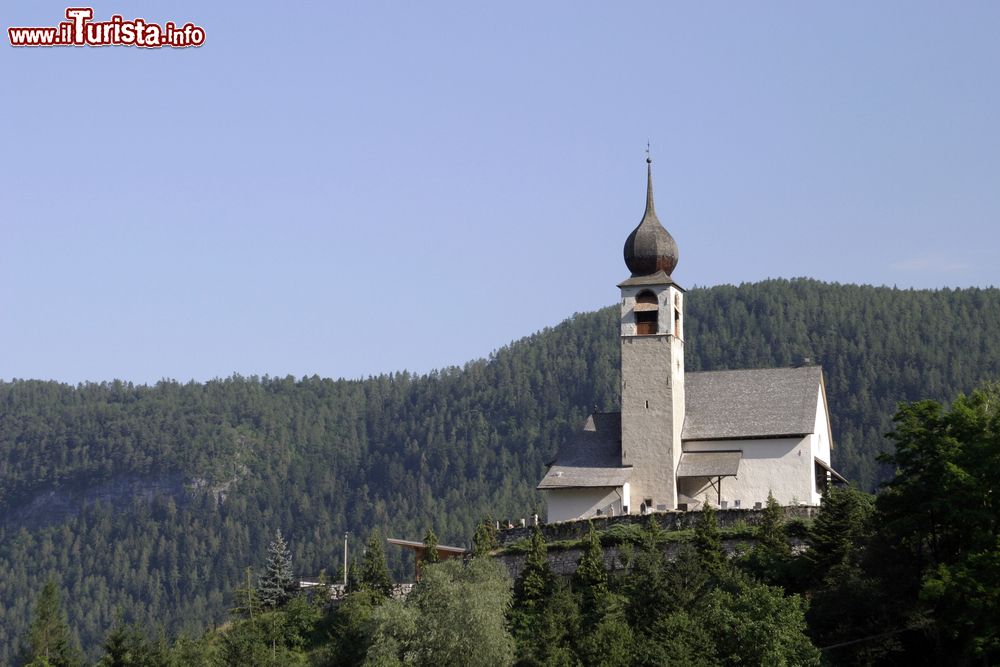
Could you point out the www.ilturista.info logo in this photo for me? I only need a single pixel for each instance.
(81, 30)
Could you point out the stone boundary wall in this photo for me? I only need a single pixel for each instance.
(338, 592)
(564, 561)
(575, 530)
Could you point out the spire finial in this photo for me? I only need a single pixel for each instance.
(649, 182)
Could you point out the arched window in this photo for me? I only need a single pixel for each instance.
(646, 309)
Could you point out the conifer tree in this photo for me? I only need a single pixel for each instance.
(558, 625)
(770, 532)
(841, 528)
(50, 641)
(708, 541)
(374, 572)
(485, 539)
(590, 572)
(277, 583)
(685, 581)
(536, 582)
(645, 585)
(545, 614)
(246, 602)
(603, 638)
(128, 646)
(430, 547)
(770, 559)
(590, 581)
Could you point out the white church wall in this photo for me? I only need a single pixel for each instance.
(781, 466)
(570, 504)
(820, 439)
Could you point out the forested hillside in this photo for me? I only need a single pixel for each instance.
(182, 485)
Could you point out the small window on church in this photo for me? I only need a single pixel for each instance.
(646, 309)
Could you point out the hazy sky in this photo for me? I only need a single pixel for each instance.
(345, 189)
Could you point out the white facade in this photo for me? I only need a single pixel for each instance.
(781, 466)
(821, 440)
(584, 503)
(784, 467)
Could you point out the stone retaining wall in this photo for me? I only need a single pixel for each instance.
(574, 530)
(564, 561)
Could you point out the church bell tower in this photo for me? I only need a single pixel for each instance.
(652, 348)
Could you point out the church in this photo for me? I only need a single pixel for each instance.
(728, 438)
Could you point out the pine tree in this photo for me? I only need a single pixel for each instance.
(770, 559)
(50, 641)
(536, 582)
(685, 581)
(647, 599)
(485, 539)
(545, 615)
(430, 547)
(770, 532)
(374, 572)
(590, 581)
(708, 541)
(603, 636)
(277, 583)
(590, 572)
(841, 530)
(246, 601)
(128, 646)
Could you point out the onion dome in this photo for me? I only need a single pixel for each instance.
(650, 247)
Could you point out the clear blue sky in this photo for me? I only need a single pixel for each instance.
(345, 189)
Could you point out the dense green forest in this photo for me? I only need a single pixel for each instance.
(150, 501)
(910, 576)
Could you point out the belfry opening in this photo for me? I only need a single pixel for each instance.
(647, 308)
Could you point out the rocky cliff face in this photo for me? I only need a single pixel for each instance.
(54, 505)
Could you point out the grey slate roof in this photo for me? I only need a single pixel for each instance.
(658, 278)
(759, 403)
(570, 477)
(709, 464)
(592, 458)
